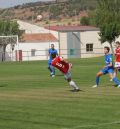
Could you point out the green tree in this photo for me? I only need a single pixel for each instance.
(107, 18)
(54, 11)
(85, 21)
(8, 28)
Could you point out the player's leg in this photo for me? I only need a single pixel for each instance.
(111, 77)
(102, 72)
(115, 72)
(49, 69)
(115, 80)
(49, 64)
(111, 73)
(71, 82)
(116, 69)
(52, 68)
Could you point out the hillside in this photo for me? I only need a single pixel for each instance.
(71, 10)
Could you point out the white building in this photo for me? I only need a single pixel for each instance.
(32, 29)
(70, 41)
(35, 44)
(79, 41)
(33, 47)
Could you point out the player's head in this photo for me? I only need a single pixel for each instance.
(52, 46)
(106, 50)
(117, 44)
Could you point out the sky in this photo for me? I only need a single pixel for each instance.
(9, 3)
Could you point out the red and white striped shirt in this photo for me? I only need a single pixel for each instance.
(117, 54)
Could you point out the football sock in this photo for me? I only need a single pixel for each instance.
(52, 69)
(97, 81)
(72, 83)
(116, 81)
(49, 69)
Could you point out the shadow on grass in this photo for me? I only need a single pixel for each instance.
(3, 85)
(76, 91)
(114, 85)
(59, 75)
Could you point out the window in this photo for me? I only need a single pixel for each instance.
(71, 51)
(89, 47)
(33, 52)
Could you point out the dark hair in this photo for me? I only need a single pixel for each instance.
(107, 48)
(117, 42)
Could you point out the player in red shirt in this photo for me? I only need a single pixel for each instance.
(117, 55)
(117, 61)
(65, 68)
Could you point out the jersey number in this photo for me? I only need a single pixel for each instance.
(60, 65)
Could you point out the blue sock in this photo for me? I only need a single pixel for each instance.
(52, 69)
(116, 81)
(97, 81)
(49, 68)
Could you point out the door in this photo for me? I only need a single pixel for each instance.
(73, 44)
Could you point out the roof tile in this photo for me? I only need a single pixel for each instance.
(40, 37)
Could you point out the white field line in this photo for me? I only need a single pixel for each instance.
(98, 125)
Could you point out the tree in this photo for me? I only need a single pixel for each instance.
(8, 28)
(107, 18)
(85, 21)
(54, 11)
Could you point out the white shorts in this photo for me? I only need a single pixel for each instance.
(117, 64)
(67, 75)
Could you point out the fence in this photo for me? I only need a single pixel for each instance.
(43, 54)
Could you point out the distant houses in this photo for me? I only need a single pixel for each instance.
(79, 41)
(70, 41)
(33, 47)
(34, 44)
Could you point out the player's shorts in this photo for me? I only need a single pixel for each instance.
(107, 70)
(67, 75)
(117, 65)
(49, 62)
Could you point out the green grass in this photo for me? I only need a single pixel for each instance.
(30, 99)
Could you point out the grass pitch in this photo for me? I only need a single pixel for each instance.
(31, 99)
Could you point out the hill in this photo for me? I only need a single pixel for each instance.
(63, 9)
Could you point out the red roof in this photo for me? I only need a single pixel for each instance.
(40, 37)
(72, 28)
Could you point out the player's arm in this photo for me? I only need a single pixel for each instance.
(49, 53)
(110, 65)
(56, 53)
(62, 59)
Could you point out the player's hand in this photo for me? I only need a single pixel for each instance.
(71, 65)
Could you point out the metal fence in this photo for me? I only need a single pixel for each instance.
(43, 54)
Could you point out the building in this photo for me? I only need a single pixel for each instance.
(79, 41)
(29, 28)
(32, 47)
(70, 41)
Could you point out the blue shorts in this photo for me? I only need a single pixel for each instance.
(107, 70)
(49, 62)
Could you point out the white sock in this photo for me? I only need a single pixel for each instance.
(72, 83)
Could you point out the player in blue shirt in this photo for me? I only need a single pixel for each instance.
(108, 68)
(52, 54)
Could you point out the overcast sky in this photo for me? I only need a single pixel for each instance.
(9, 3)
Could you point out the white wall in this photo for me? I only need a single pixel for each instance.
(40, 54)
(91, 37)
(32, 28)
(63, 44)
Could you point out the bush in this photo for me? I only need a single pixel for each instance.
(85, 21)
